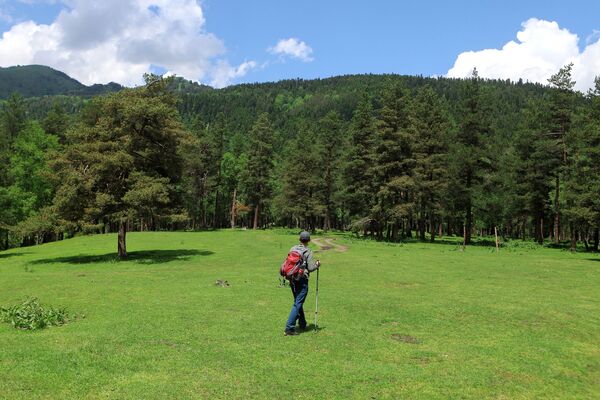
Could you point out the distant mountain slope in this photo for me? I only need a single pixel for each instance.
(39, 80)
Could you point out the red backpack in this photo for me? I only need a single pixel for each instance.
(291, 267)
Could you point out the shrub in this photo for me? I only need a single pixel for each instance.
(30, 315)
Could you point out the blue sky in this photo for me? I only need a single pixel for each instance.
(234, 41)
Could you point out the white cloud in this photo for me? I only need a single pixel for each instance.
(293, 48)
(223, 73)
(541, 49)
(118, 40)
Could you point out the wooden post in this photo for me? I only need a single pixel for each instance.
(496, 233)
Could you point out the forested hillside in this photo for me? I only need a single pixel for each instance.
(39, 80)
(384, 155)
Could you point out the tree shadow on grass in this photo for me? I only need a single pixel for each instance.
(140, 257)
(4, 255)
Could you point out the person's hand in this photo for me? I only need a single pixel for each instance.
(305, 274)
(318, 263)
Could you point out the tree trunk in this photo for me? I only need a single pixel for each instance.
(421, 229)
(433, 228)
(233, 208)
(596, 239)
(496, 234)
(327, 221)
(557, 211)
(122, 247)
(468, 224)
(573, 237)
(538, 229)
(408, 228)
(215, 221)
(256, 217)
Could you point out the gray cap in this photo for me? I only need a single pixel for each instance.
(304, 236)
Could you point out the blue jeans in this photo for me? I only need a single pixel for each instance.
(299, 290)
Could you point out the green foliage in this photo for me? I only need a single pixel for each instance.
(393, 162)
(359, 187)
(330, 148)
(468, 151)
(403, 153)
(13, 116)
(122, 161)
(30, 315)
(431, 129)
(31, 188)
(301, 197)
(259, 167)
(56, 122)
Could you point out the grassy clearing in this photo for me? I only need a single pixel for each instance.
(417, 321)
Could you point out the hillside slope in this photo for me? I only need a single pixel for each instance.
(39, 80)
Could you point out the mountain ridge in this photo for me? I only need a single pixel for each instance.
(40, 80)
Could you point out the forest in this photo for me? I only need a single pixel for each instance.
(386, 156)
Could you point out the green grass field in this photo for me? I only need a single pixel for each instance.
(412, 321)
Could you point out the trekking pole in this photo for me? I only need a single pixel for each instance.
(317, 302)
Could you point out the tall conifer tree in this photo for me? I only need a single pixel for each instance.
(122, 164)
(561, 112)
(259, 167)
(430, 126)
(359, 188)
(330, 143)
(392, 170)
(467, 150)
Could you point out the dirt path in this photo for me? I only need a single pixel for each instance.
(328, 244)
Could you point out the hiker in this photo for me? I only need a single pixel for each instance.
(299, 282)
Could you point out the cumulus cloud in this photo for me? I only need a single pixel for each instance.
(224, 73)
(293, 48)
(541, 49)
(118, 40)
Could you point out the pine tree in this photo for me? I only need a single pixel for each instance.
(467, 151)
(259, 167)
(583, 177)
(301, 197)
(330, 144)
(392, 170)
(561, 111)
(56, 122)
(123, 164)
(359, 188)
(430, 127)
(535, 168)
(218, 144)
(197, 155)
(13, 117)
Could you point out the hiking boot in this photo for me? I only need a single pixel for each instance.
(290, 333)
(302, 328)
